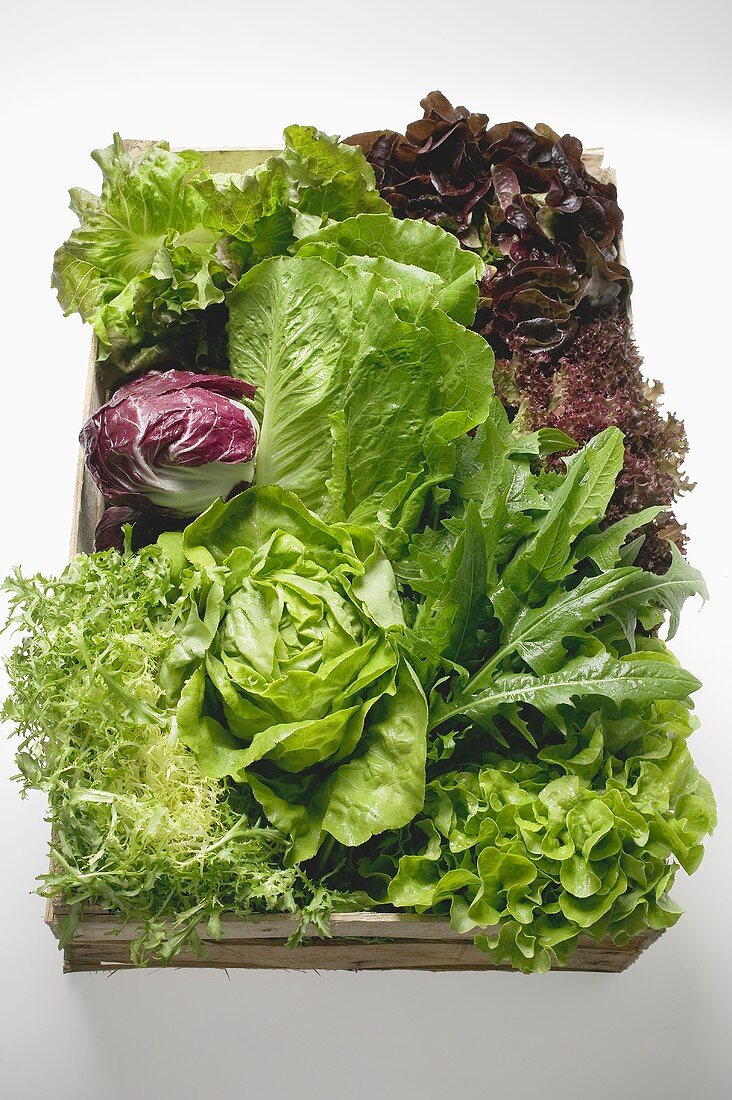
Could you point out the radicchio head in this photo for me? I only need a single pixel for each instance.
(174, 441)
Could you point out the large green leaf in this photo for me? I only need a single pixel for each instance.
(165, 240)
(410, 252)
(381, 787)
(579, 500)
(447, 622)
(537, 634)
(290, 334)
(360, 409)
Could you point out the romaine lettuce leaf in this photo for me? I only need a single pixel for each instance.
(409, 252)
(360, 404)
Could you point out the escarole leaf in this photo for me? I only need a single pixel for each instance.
(267, 208)
(165, 240)
(253, 207)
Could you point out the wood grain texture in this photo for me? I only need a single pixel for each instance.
(361, 941)
(405, 941)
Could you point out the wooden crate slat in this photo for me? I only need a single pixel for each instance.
(339, 954)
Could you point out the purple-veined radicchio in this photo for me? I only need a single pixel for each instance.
(174, 441)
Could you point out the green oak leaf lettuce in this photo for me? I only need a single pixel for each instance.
(582, 839)
(154, 255)
(288, 672)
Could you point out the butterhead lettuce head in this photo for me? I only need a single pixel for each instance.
(288, 672)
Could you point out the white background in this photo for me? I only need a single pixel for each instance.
(649, 81)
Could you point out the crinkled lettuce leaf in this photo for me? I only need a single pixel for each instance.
(583, 839)
(156, 252)
(145, 260)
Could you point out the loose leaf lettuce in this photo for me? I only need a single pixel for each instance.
(145, 259)
(154, 255)
(583, 839)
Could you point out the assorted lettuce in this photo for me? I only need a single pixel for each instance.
(417, 658)
(596, 381)
(553, 290)
(137, 826)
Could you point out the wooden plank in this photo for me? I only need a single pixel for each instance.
(88, 502)
(337, 954)
(406, 941)
(97, 925)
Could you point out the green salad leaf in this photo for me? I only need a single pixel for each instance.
(582, 839)
(362, 398)
(288, 673)
(410, 253)
(156, 252)
(556, 632)
(144, 261)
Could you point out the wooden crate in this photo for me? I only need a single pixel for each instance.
(360, 941)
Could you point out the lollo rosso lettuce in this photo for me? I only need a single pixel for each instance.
(287, 670)
(174, 442)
